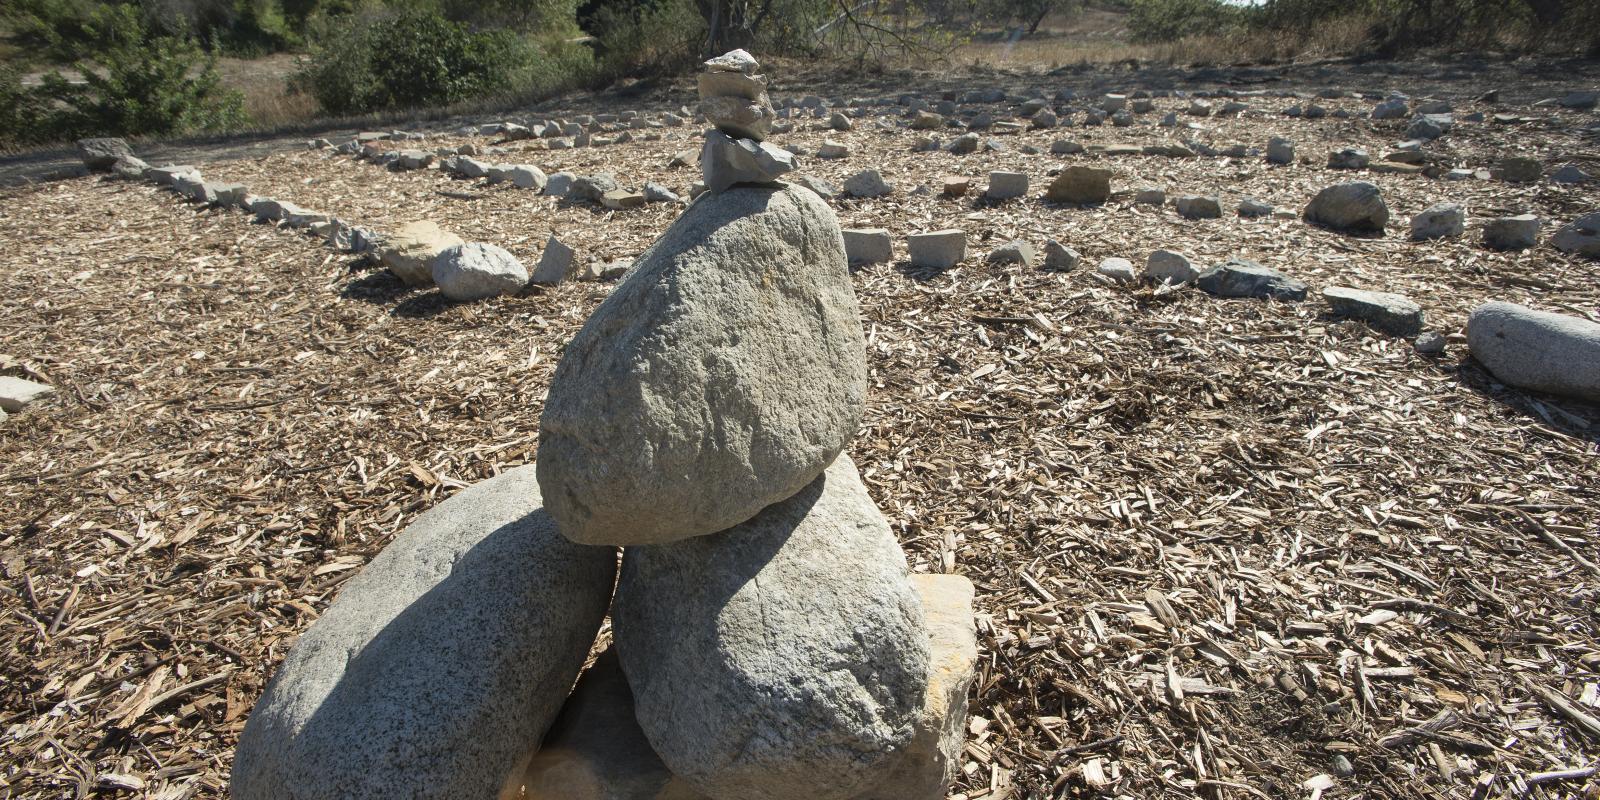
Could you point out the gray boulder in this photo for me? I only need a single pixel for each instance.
(1170, 267)
(1239, 277)
(867, 183)
(864, 246)
(1193, 206)
(1580, 236)
(1438, 221)
(1356, 206)
(1518, 232)
(1080, 185)
(100, 155)
(1006, 185)
(1118, 270)
(438, 664)
(1059, 257)
(1390, 313)
(726, 161)
(592, 188)
(475, 271)
(134, 168)
(668, 416)
(784, 659)
(1429, 126)
(1537, 350)
(1349, 158)
(937, 249)
(556, 263)
(1251, 208)
(411, 248)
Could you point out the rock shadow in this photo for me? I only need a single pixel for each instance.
(920, 274)
(1564, 415)
(422, 306)
(379, 287)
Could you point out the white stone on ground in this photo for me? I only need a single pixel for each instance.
(1006, 185)
(1014, 252)
(1438, 221)
(15, 393)
(1170, 267)
(864, 246)
(1117, 269)
(867, 183)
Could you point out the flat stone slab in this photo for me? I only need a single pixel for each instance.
(1537, 350)
(1239, 277)
(1387, 312)
(16, 393)
(437, 664)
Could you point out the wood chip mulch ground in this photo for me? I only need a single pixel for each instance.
(1223, 548)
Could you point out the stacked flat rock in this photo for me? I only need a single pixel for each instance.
(734, 99)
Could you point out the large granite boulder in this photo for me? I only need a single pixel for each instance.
(438, 663)
(721, 376)
(411, 248)
(783, 659)
(1537, 350)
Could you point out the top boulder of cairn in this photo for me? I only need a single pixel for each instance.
(734, 61)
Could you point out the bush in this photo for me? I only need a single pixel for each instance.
(644, 37)
(415, 58)
(136, 82)
(1166, 20)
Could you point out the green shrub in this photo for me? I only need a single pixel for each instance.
(135, 81)
(644, 37)
(1166, 20)
(410, 59)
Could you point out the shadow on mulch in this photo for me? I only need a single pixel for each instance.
(421, 306)
(918, 274)
(1563, 415)
(380, 287)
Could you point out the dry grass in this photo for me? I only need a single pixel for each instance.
(264, 82)
(1217, 543)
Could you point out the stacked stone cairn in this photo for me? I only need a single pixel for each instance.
(768, 641)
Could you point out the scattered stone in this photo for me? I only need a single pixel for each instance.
(1170, 267)
(867, 183)
(1390, 313)
(657, 193)
(1170, 120)
(1080, 185)
(965, 143)
(407, 160)
(100, 155)
(1150, 195)
(740, 671)
(956, 185)
(1006, 185)
(1349, 158)
(1579, 100)
(621, 199)
(1356, 206)
(727, 161)
(168, 175)
(1519, 169)
(1580, 237)
(133, 168)
(559, 184)
(1239, 277)
(1251, 207)
(938, 249)
(1518, 232)
(840, 121)
(927, 121)
(817, 186)
(1059, 257)
(863, 246)
(1570, 173)
(1438, 221)
(1119, 270)
(1428, 127)
(1429, 343)
(16, 393)
(410, 250)
(438, 663)
(1193, 206)
(832, 149)
(1280, 151)
(1064, 147)
(556, 264)
(766, 262)
(1045, 118)
(1014, 252)
(1537, 350)
(476, 271)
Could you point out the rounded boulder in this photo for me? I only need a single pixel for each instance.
(722, 375)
